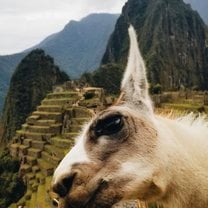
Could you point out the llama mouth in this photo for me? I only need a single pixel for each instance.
(101, 185)
(89, 201)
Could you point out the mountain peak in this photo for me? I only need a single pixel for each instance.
(172, 40)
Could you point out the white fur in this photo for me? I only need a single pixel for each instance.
(131, 168)
(134, 83)
(77, 154)
(183, 157)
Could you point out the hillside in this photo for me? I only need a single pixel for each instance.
(172, 38)
(77, 48)
(32, 80)
(201, 6)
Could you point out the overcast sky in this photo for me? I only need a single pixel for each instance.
(24, 23)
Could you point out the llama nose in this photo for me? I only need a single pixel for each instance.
(63, 186)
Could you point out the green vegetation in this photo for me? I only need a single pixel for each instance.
(166, 30)
(107, 76)
(32, 80)
(11, 186)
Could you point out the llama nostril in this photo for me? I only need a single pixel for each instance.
(64, 185)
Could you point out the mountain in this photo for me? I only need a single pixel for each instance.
(79, 47)
(201, 6)
(32, 80)
(173, 42)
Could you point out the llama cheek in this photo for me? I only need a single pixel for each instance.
(135, 169)
(140, 175)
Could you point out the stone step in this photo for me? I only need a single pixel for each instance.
(14, 149)
(49, 115)
(53, 150)
(75, 128)
(33, 135)
(35, 169)
(38, 144)
(29, 177)
(27, 142)
(55, 128)
(25, 169)
(32, 119)
(46, 168)
(31, 160)
(79, 112)
(32, 181)
(50, 108)
(45, 122)
(62, 95)
(15, 139)
(62, 143)
(79, 121)
(50, 158)
(34, 187)
(25, 127)
(23, 149)
(91, 103)
(71, 135)
(34, 152)
(61, 102)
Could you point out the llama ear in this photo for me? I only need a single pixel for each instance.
(134, 84)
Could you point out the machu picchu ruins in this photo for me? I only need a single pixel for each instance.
(48, 135)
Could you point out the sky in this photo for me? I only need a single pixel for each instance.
(24, 23)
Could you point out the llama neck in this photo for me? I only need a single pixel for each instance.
(187, 191)
(187, 165)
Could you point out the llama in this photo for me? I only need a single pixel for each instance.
(127, 152)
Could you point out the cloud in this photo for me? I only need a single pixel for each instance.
(24, 23)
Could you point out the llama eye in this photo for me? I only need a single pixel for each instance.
(109, 125)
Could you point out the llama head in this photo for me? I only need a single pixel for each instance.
(114, 158)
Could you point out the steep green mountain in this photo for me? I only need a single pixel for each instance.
(79, 47)
(32, 80)
(172, 38)
(201, 6)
